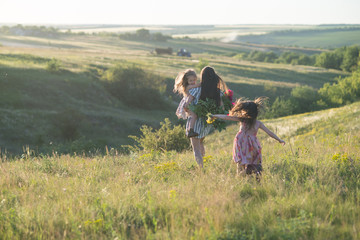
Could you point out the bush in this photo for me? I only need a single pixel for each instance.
(53, 66)
(202, 63)
(329, 60)
(166, 138)
(305, 98)
(136, 87)
(351, 58)
(345, 91)
(281, 107)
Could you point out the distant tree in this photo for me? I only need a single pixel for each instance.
(143, 34)
(281, 107)
(351, 58)
(270, 57)
(345, 91)
(159, 37)
(305, 98)
(329, 60)
(306, 60)
(257, 56)
(288, 57)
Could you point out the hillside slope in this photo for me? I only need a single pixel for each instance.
(309, 189)
(41, 109)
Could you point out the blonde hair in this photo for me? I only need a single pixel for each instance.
(181, 81)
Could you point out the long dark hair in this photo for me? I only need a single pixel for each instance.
(211, 84)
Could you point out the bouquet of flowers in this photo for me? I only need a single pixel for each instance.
(205, 108)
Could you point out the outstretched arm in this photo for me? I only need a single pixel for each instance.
(271, 134)
(225, 117)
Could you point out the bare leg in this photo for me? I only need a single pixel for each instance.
(202, 148)
(196, 145)
(240, 169)
(193, 118)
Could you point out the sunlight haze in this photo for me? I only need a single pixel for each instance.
(187, 12)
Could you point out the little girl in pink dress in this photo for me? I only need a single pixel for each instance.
(247, 148)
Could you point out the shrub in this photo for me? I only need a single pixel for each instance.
(351, 58)
(329, 60)
(166, 138)
(135, 87)
(202, 63)
(305, 99)
(345, 91)
(53, 66)
(281, 107)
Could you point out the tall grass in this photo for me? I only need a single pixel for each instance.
(309, 189)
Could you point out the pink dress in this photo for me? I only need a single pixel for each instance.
(247, 148)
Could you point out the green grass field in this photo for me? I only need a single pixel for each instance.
(309, 189)
(321, 39)
(33, 98)
(56, 189)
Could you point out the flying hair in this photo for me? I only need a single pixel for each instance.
(248, 111)
(181, 81)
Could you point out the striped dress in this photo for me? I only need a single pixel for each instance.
(200, 127)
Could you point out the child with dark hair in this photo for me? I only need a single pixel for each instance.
(247, 148)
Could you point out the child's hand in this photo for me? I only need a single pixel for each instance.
(282, 142)
(210, 119)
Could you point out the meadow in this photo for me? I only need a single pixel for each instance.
(87, 187)
(32, 98)
(309, 189)
(320, 37)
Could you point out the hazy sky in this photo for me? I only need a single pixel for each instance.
(165, 12)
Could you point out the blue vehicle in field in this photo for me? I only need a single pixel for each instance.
(183, 53)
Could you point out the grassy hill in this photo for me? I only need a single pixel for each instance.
(35, 102)
(309, 189)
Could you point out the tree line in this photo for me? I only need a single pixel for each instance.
(306, 99)
(345, 58)
(52, 32)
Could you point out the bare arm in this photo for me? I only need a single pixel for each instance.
(190, 99)
(193, 86)
(226, 117)
(271, 134)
